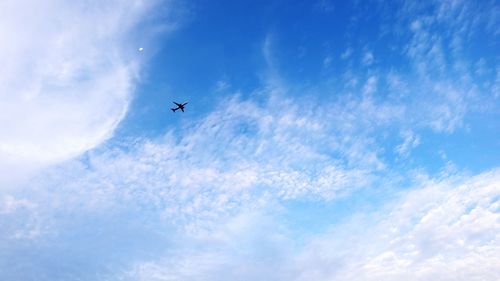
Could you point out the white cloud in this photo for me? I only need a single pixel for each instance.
(410, 141)
(327, 61)
(446, 229)
(346, 54)
(20, 219)
(222, 85)
(325, 6)
(368, 58)
(67, 75)
(443, 34)
(242, 248)
(370, 86)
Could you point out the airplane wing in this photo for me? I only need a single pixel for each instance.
(176, 103)
(185, 103)
(182, 109)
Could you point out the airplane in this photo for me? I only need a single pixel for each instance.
(179, 106)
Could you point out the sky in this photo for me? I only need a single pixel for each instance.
(323, 140)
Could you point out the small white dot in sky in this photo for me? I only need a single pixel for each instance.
(141, 49)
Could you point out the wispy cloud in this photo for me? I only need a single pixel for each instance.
(325, 6)
(68, 72)
(346, 54)
(368, 58)
(442, 34)
(445, 229)
(410, 141)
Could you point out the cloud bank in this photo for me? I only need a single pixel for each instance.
(68, 73)
(445, 229)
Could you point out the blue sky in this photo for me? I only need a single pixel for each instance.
(323, 140)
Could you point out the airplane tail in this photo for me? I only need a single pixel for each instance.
(174, 109)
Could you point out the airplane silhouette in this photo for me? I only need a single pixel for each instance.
(179, 106)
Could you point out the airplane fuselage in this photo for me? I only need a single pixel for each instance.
(179, 106)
